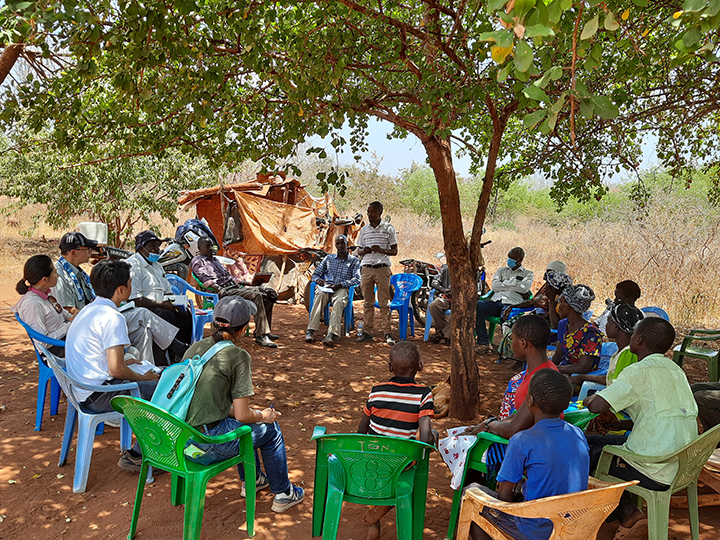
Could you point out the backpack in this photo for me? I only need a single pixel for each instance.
(176, 386)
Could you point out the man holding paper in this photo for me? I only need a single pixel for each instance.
(333, 277)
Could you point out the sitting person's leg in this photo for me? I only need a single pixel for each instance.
(152, 336)
(440, 321)
(339, 303)
(707, 397)
(316, 313)
(485, 308)
(262, 326)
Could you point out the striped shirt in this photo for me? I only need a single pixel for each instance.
(395, 407)
(336, 271)
(383, 235)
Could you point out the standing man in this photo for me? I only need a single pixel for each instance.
(510, 285)
(150, 286)
(339, 273)
(212, 274)
(377, 240)
(151, 335)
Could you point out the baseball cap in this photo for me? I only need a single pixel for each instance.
(143, 238)
(74, 240)
(233, 311)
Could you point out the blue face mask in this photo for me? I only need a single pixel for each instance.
(153, 257)
(512, 263)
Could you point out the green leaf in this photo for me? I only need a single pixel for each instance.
(503, 73)
(555, 11)
(22, 6)
(489, 36)
(586, 108)
(566, 4)
(538, 30)
(694, 5)
(553, 73)
(534, 118)
(591, 28)
(611, 22)
(523, 56)
(640, 3)
(691, 37)
(522, 7)
(604, 107)
(533, 92)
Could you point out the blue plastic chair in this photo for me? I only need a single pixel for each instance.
(405, 284)
(657, 311)
(200, 316)
(45, 374)
(348, 323)
(87, 421)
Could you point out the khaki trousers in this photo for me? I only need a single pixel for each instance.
(338, 301)
(369, 278)
(440, 321)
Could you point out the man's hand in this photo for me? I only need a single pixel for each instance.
(336, 286)
(321, 282)
(367, 249)
(577, 378)
(377, 249)
(167, 304)
(150, 376)
(130, 361)
(269, 415)
(72, 310)
(474, 430)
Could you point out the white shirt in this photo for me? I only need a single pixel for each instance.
(64, 291)
(509, 286)
(148, 279)
(98, 327)
(383, 235)
(40, 315)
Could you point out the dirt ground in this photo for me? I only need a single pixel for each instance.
(309, 384)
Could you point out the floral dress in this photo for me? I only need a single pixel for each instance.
(585, 341)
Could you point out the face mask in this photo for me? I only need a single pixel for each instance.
(153, 257)
(512, 263)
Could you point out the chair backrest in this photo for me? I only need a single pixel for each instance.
(178, 284)
(161, 435)
(607, 349)
(36, 338)
(405, 284)
(692, 458)
(657, 311)
(370, 465)
(66, 382)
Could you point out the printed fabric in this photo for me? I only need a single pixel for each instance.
(585, 341)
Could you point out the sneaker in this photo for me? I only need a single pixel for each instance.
(389, 340)
(283, 502)
(261, 482)
(364, 337)
(331, 340)
(129, 463)
(310, 336)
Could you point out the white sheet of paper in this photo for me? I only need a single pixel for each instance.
(143, 367)
(126, 306)
(327, 290)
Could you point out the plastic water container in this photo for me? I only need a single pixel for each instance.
(94, 231)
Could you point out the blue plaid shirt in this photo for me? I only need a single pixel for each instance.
(334, 271)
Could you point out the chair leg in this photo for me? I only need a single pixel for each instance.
(402, 330)
(177, 490)
(45, 377)
(125, 435)
(319, 494)
(693, 511)
(68, 433)
(138, 499)
(250, 494)
(83, 455)
(454, 512)
(404, 517)
(54, 396)
(194, 506)
(411, 320)
(333, 508)
(658, 516)
(713, 371)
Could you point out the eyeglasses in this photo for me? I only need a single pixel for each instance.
(55, 304)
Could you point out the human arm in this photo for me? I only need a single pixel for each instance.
(579, 378)
(117, 368)
(354, 272)
(505, 491)
(203, 271)
(553, 314)
(141, 301)
(364, 424)
(320, 270)
(583, 365)
(392, 250)
(439, 281)
(521, 420)
(242, 412)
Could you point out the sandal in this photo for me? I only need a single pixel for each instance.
(638, 531)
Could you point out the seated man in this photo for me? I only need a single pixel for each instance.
(151, 335)
(150, 286)
(95, 347)
(655, 393)
(442, 302)
(533, 454)
(337, 272)
(707, 396)
(510, 285)
(212, 274)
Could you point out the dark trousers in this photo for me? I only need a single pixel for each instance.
(183, 321)
(485, 308)
(707, 396)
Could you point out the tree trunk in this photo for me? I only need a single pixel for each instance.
(464, 377)
(9, 56)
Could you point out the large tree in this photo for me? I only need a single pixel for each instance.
(566, 88)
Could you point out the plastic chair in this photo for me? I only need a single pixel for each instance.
(691, 459)
(405, 284)
(205, 301)
(348, 319)
(163, 438)
(575, 516)
(87, 422)
(657, 311)
(428, 317)
(45, 374)
(200, 316)
(711, 356)
(366, 469)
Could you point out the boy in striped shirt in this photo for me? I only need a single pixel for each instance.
(398, 408)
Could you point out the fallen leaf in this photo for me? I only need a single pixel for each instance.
(12, 482)
(35, 476)
(60, 476)
(68, 520)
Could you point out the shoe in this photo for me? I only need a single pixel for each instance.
(364, 337)
(310, 336)
(331, 340)
(264, 341)
(273, 337)
(436, 338)
(261, 482)
(486, 348)
(283, 502)
(129, 463)
(389, 339)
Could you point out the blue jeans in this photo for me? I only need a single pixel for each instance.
(485, 308)
(266, 437)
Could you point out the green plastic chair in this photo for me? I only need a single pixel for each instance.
(691, 459)
(162, 438)
(367, 469)
(711, 356)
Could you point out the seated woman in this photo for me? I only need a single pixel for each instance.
(37, 307)
(620, 326)
(626, 292)
(579, 341)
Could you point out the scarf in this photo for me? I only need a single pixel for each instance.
(79, 292)
(579, 297)
(626, 317)
(557, 280)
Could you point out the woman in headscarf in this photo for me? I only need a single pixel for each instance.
(579, 341)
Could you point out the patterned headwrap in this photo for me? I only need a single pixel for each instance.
(626, 317)
(557, 280)
(579, 297)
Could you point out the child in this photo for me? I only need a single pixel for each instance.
(656, 394)
(533, 453)
(398, 408)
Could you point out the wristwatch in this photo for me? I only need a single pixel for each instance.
(487, 423)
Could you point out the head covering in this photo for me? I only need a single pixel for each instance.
(143, 238)
(557, 266)
(579, 297)
(341, 237)
(74, 240)
(557, 280)
(233, 311)
(626, 317)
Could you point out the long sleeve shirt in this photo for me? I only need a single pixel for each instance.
(510, 285)
(210, 271)
(40, 315)
(334, 271)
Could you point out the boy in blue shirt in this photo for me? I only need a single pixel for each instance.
(552, 455)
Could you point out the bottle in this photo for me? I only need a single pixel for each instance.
(360, 328)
